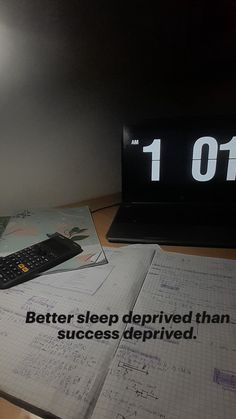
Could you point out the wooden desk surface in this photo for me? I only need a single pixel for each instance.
(102, 219)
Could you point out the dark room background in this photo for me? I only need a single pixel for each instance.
(72, 72)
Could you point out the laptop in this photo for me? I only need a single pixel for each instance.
(178, 183)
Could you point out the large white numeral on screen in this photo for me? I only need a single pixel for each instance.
(231, 146)
(155, 149)
(197, 159)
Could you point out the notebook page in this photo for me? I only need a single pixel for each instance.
(171, 378)
(64, 377)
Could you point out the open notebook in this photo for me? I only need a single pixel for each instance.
(126, 378)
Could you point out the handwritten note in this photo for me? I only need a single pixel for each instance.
(64, 377)
(170, 379)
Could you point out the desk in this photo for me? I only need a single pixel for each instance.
(102, 219)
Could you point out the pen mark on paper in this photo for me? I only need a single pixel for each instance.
(227, 379)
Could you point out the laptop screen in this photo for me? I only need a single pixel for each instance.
(180, 160)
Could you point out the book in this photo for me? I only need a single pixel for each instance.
(28, 227)
(175, 359)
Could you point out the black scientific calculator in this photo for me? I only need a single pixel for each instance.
(28, 263)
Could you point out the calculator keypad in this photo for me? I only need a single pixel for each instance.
(30, 262)
(24, 261)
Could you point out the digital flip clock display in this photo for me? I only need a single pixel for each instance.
(199, 171)
(186, 161)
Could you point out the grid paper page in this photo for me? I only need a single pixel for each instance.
(178, 379)
(64, 377)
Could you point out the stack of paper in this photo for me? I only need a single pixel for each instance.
(180, 364)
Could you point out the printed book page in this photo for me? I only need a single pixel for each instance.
(29, 227)
(41, 367)
(160, 375)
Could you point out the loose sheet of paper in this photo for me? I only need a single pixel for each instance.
(65, 376)
(178, 379)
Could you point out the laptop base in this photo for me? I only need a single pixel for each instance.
(182, 225)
